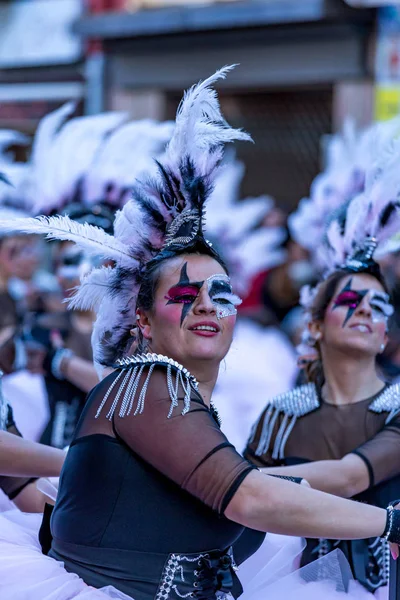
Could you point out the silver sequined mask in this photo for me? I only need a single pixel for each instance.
(220, 292)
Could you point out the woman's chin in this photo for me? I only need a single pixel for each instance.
(359, 348)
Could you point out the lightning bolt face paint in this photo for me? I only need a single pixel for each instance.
(379, 302)
(185, 292)
(220, 292)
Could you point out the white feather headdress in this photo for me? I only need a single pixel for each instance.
(166, 212)
(88, 160)
(234, 228)
(353, 158)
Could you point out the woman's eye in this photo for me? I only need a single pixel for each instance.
(185, 298)
(378, 308)
(221, 300)
(349, 303)
(349, 299)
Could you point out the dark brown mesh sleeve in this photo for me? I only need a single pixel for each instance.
(12, 486)
(382, 453)
(189, 449)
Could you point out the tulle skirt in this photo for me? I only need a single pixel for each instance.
(270, 574)
(26, 574)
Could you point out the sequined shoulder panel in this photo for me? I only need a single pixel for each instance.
(290, 405)
(132, 382)
(388, 401)
(298, 402)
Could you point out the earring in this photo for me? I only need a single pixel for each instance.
(382, 347)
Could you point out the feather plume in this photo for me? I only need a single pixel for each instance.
(125, 155)
(189, 167)
(92, 290)
(71, 155)
(92, 239)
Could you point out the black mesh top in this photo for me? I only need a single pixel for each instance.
(146, 482)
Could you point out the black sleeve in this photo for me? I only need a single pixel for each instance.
(381, 454)
(188, 448)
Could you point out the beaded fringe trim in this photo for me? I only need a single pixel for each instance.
(129, 379)
(301, 401)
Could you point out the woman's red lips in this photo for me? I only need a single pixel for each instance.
(361, 327)
(207, 328)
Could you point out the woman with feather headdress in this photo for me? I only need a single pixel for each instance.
(154, 500)
(341, 429)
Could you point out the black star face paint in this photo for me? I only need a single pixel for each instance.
(381, 308)
(220, 292)
(185, 292)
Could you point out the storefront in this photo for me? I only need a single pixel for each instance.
(41, 60)
(302, 65)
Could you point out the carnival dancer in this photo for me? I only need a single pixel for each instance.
(341, 429)
(153, 498)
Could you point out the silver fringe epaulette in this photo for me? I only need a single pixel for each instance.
(388, 401)
(294, 404)
(129, 378)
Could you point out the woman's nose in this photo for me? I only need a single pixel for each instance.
(364, 308)
(204, 304)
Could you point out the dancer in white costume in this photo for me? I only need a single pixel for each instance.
(153, 498)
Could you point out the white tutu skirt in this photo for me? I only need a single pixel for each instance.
(26, 574)
(270, 574)
(273, 573)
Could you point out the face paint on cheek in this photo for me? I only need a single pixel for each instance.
(185, 292)
(220, 292)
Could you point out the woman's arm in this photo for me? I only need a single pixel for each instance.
(274, 505)
(80, 372)
(31, 500)
(345, 477)
(23, 458)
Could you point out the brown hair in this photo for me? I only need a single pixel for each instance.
(314, 370)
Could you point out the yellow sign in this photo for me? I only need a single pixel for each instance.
(387, 101)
